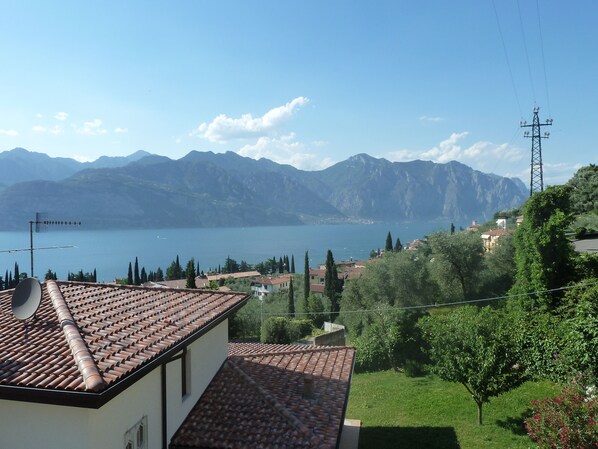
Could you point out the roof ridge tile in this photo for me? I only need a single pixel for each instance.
(294, 350)
(79, 350)
(309, 436)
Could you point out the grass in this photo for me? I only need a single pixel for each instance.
(410, 413)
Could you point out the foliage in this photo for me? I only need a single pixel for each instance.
(174, 271)
(291, 307)
(300, 328)
(543, 254)
(50, 275)
(333, 287)
(388, 245)
(130, 275)
(474, 346)
(190, 274)
(584, 189)
(457, 263)
(315, 310)
(136, 277)
(80, 276)
(306, 281)
(276, 330)
(498, 274)
(566, 421)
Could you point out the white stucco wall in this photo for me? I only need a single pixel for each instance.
(28, 425)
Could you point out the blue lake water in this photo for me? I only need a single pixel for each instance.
(110, 251)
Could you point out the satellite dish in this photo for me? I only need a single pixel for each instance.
(26, 298)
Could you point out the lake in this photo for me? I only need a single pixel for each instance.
(110, 251)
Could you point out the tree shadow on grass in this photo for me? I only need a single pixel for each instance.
(408, 438)
(515, 423)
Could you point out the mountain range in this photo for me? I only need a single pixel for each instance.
(205, 189)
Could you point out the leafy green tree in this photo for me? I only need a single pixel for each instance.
(190, 274)
(398, 280)
(388, 246)
(159, 277)
(543, 254)
(291, 308)
(456, 262)
(230, 266)
(50, 275)
(474, 347)
(584, 189)
(276, 330)
(306, 282)
(498, 274)
(174, 271)
(136, 277)
(315, 310)
(143, 275)
(130, 275)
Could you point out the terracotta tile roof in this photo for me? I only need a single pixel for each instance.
(273, 280)
(495, 233)
(256, 399)
(87, 337)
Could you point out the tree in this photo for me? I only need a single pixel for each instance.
(159, 276)
(291, 308)
(306, 289)
(398, 245)
(136, 277)
(456, 262)
(17, 277)
(174, 271)
(474, 347)
(452, 228)
(315, 310)
(190, 274)
(388, 247)
(50, 275)
(398, 280)
(332, 285)
(584, 189)
(130, 275)
(543, 254)
(143, 275)
(293, 263)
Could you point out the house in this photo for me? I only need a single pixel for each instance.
(490, 238)
(109, 366)
(262, 287)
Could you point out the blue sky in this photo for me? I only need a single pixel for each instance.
(308, 83)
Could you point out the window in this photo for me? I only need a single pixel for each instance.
(136, 436)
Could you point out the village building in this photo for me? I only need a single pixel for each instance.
(490, 238)
(264, 286)
(106, 366)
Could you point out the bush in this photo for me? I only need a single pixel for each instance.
(276, 330)
(566, 421)
(300, 328)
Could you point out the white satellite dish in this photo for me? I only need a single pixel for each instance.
(26, 298)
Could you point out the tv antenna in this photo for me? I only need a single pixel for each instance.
(39, 223)
(26, 299)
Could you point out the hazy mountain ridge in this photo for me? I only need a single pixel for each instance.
(204, 189)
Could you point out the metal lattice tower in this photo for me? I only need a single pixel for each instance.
(536, 183)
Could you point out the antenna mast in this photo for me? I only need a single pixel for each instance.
(536, 176)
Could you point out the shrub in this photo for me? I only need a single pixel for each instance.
(566, 421)
(300, 328)
(276, 330)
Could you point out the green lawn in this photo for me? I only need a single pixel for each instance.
(410, 413)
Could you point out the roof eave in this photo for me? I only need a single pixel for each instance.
(93, 400)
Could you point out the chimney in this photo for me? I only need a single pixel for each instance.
(308, 387)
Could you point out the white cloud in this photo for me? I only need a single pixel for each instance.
(92, 128)
(121, 130)
(223, 128)
(42, 129)
(285, 150)
(38, 115)
(482, 155)
(62, 116)
(8, 132)
(426, 118)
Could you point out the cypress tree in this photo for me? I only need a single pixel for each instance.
(452, 228)
(291, 299)
(306, 283)
(136, 277)
(332, 285)
(293, 263)
(143, 275)
(130, 275)
(280, 265)
(95, 275)
(6, 281)
(190, 274)
(398, 245)
(17, 275)
(388, 247)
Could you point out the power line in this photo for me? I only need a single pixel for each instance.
(507, 58)
(543, 58)
(448, 304)
(529, 67)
